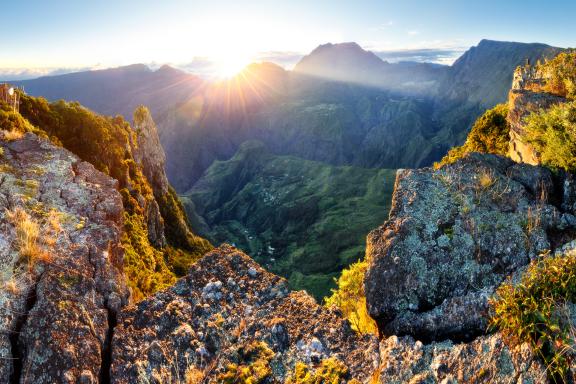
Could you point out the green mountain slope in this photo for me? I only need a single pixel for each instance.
(301, 219)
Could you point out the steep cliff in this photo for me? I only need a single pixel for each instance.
(153, 218)
(531, 93)
(171, 223)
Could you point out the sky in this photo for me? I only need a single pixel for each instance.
(220, 36)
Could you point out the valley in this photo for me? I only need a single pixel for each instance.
(338, 124)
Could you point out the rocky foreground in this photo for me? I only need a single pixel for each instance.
(452, 238)
(61, 265)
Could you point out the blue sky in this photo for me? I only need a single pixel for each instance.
(213, 35)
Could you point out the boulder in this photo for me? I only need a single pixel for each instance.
(453, 236)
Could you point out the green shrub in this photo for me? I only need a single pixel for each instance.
(552, 133)
(176, 229)
(145, 267)
(534, 311)
(561, 75)
(488, 135)
(14, 122)
(349, 297)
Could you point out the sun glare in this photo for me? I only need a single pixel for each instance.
(230, 66)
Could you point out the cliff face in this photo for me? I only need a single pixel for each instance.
(527, 96)
(167, 220)
(61, 261)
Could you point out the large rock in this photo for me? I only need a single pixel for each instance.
(210, 318)
(165, 216)
(59, 300)
(453, 236)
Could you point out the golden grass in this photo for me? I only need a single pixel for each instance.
(194, 375)
(13, 135)
(12, 286)
(28, 238)
(486, 180)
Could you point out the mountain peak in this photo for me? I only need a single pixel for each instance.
(169, 70)
(341, 51)
(342, 62)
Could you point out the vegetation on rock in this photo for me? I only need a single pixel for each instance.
(488, 135)
(538, 311)
(255, 368)
(108, 144)
(560, 74)
(330, 371)
(350, 298)
(552, 133)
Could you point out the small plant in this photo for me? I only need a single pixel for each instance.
(27, 237)
(486, 180)
(330, 371)
(13, 135)
(532, 311)
(349, 297)
(194, 375)
(257, 357)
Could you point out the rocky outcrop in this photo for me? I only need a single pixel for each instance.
(166, 219)
(527, 96)
(209, 319)
(61, 265)
(487, 359)
(229, 315)
(453, 236)
(148, 153)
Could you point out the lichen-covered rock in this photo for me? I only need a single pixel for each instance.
(61, 261)
(453, 236)
(215, 320)
(484, 360)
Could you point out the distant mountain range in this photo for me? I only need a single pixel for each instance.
(340, 105)
(117, 90)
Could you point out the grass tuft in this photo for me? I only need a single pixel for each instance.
(13, 135)
(534, 311)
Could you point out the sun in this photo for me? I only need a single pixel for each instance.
(231, 65)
